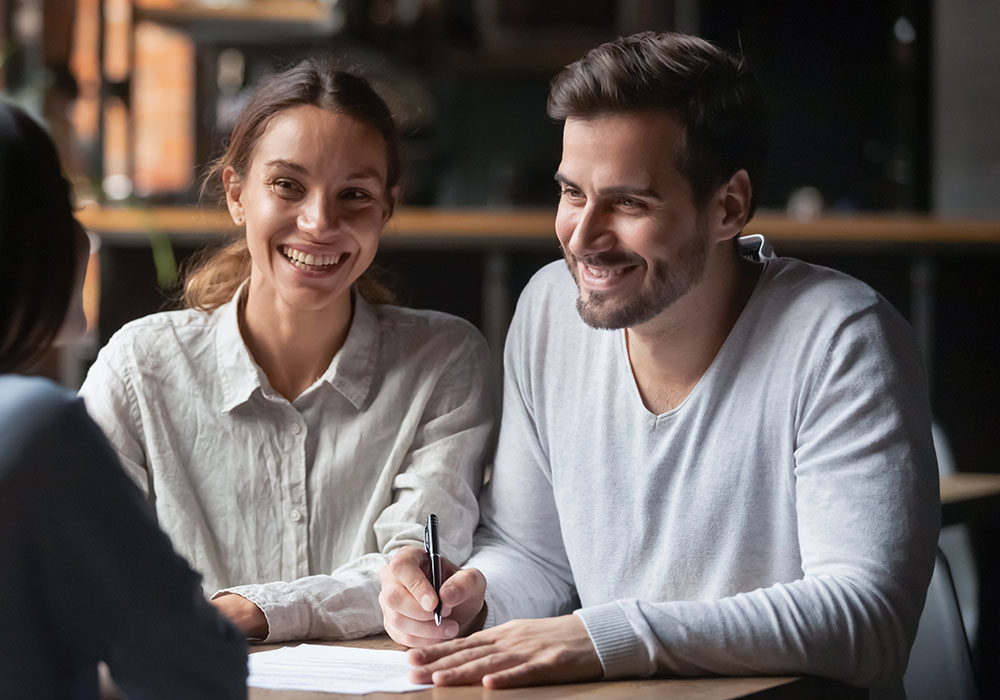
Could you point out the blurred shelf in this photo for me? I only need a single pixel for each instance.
(534, 227)
(967, 497)
(252, 20)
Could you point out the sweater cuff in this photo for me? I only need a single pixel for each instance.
(491, 617)
(617, 646)
(287, 617)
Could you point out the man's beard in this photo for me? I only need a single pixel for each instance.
(668, 283)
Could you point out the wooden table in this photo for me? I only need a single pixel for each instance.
(770, 688)
(968, 497)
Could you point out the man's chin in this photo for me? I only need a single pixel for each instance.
(599, 314)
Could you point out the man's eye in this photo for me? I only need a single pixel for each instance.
(570, 192)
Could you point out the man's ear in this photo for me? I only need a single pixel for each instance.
(234, 193)
(733, 205)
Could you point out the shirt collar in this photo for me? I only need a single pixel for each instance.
(353, 368)
(240, 375)
(350, 373)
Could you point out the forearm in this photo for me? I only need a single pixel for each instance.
(518, 587)
(833, 626)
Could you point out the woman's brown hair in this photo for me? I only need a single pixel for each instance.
(215, 276)
(37, 241)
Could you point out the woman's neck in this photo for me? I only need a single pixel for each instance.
(293, 347)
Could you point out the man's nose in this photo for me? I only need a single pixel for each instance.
(592, 232)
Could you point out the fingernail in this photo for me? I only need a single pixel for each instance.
(427, 602)
(451, 629)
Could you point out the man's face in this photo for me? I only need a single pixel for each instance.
(627, 223)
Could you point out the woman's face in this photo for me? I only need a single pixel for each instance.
(314, 202)
(75, 323)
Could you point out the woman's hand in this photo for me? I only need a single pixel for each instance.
(242, 613)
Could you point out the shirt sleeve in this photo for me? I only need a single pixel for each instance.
(442, 473)
(868, 515)
(109, 577)
(110, 399)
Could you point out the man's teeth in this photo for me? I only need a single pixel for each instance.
(602, 273)
(298, 256)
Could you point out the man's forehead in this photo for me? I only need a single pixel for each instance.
(637, 146)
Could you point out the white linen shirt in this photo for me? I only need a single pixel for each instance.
(297, 505)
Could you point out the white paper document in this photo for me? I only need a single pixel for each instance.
(331, 670)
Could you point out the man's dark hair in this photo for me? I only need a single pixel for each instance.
(710, 91)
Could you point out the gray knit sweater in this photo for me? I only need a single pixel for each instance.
(781, 519)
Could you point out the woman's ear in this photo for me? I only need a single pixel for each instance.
(234, 193)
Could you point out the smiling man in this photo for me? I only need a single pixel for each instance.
(717, 464)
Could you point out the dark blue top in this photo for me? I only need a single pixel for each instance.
(86, 574)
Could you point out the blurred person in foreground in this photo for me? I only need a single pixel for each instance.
(85, 573)
(291, 426)
(717, 463)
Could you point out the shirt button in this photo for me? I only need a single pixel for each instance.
(296, 428)
(297, 515)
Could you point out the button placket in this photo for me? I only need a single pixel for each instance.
(299, 531)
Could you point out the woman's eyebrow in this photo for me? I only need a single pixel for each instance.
(282, 163)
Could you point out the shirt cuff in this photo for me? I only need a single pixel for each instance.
(287, 618)
(617, 646)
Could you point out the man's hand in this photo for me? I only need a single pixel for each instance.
(242, 613)
(518, 653)
(408, 599)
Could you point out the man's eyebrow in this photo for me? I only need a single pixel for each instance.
(621, 190)
(282, 163)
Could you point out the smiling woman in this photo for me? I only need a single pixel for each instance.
(292, 428)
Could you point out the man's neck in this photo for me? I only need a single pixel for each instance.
(670, 353)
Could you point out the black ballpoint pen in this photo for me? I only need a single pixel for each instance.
(434, 554)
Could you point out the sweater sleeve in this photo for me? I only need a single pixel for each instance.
(441, 474)
(868, 515)
(517, 545)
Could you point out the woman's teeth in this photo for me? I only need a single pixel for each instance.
(297, 256)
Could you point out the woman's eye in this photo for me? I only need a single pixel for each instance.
(357, 196)
(284, 187)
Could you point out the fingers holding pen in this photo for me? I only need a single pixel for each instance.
(408, 601)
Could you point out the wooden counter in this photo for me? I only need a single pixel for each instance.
(496, 234)
(523, 226)
(968, 497)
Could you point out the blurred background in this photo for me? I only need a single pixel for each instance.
(885, 152)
